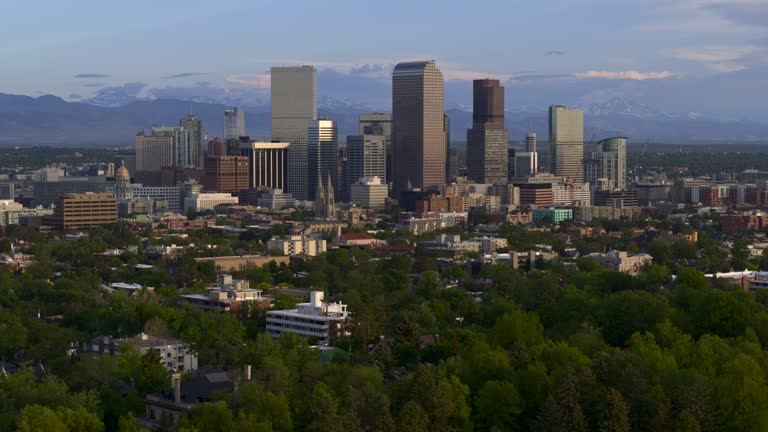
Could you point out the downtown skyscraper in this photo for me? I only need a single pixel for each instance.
(366, 158)
(379, 124)
(487, 139)
(566, 143)
(166, 146)
(606, 168)
(234, 128)
(194, 127)
(294, 107)
(322, 157)
(418, 136)
(234, 124)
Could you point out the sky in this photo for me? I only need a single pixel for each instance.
(677, 55)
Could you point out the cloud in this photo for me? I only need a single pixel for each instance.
(707, 16)
(206, 92)
(372, 68)
(752, 13)
(183, 75)
(466, 75)
(726, 58)
(262, 81)
(94, 85)
(382, 69)
(702, 24)
(117, 95)
(91, 75)
(75, 96)
(625, 75)
(372, 71)
(528, 77)
(554, 53)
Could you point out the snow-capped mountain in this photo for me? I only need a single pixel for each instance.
(620, 106)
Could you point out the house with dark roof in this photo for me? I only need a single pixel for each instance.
(178, 400)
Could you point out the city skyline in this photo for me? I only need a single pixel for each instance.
(677, 48)
(391, 216)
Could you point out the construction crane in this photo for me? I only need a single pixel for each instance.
(642, 153)
(592, 137)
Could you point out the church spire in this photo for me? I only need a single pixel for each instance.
(330, 202)
(329, 187)
(319, 198)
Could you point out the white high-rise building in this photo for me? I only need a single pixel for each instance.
(294, 106)
(166, 146)
(616, 167)
(369, 193)
(317, 319)
(234, 124)
(207, 201)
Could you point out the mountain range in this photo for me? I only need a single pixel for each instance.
(112, 119)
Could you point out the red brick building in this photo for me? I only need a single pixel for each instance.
(226, 174)
(436, 203)
(744, 222)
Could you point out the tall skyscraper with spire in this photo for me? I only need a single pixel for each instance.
(418, 137)
(294, 106)
(566, 142)
(487, 139)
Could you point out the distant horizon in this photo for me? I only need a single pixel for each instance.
(703, 57)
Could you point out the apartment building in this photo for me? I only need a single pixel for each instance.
(316, 319)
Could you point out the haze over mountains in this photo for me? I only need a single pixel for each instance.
(656, 110)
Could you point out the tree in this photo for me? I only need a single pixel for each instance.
(686, 422)
(616, 415)
(152, 376)
(80, 420)
(323, 410)
(740, 255)
(36, 418)
(13, 334)
(428, 285)
(550, 418)
(246, 422)
(685, 249)
(743, 396)
(626, 312)
(210, 417)
(413, 418)
(570, 405)
(727, 314)
(365, 407)
(128, 424)
(660, 251)
(655, 276)
(252, 398)
(519, 327)
(498, 405)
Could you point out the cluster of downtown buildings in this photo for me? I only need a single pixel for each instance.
(403, 153)
(403, 159)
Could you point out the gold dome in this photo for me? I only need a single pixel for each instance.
(122, 173)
